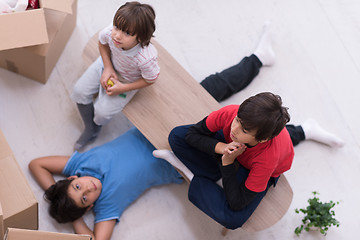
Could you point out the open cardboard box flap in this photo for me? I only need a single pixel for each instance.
(22, 29)
(22, 234)
(62, 6)
(28, 28)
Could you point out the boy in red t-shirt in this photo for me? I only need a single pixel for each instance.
(247, 146)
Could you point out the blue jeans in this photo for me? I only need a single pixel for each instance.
(204, 193)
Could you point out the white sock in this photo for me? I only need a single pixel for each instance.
(313, 131)
(220, 183)
(173, 160)
(264, 49)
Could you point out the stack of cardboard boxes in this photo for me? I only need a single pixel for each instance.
(31, 42)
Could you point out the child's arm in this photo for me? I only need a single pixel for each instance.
(43, 169)
(109, 71)
(237, 194)
(200, 137)
(119, 87)
(102, 230)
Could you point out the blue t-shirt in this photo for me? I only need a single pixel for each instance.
(126, 168)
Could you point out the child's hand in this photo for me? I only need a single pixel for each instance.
(117, 87)
(106, 75)
(231, 152)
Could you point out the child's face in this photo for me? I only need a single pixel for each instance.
(241, 135)
(122, 39)
(84, 190)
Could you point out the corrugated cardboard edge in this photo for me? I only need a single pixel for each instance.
(24, 234)
(5, 151)
(1, 223)
(63, 5)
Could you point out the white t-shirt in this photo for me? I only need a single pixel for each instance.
(134, 63)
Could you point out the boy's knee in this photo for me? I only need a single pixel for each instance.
(174, 133)
(101, 117)
(78, 95)
(232, 226)
(177, 134)
(231, 222)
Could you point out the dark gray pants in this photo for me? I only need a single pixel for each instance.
(230, 81)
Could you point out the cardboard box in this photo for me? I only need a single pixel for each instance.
(18, 202)
(21, 234)
(1, 223)
(31, 42)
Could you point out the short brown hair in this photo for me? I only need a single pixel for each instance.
(136, 19)
(62, 207)
(265, 114)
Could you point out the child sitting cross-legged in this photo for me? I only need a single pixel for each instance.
(242, 147)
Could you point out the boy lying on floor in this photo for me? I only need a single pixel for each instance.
(107, 179)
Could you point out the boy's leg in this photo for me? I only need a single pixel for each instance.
(170, 157)
(264, 49)
(296, 133)
(91, 129)
(198, 162)
(230, 81)
(88, 84)
(107, 106)
(83, 92)
(211, 199)
(311, 130)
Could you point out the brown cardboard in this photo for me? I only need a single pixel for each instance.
(19, 205)
(28, 28)
(21, 234)
(32, 32)
(1, 223)
(37, 62)
(63, 5)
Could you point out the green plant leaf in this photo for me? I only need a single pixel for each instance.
(317, 214)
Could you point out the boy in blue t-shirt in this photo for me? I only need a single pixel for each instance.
(107, 179)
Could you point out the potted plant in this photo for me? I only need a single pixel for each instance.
(318, 215)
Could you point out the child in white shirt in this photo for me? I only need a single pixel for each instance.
(128, 62)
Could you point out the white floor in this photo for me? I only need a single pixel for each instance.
(317, 73)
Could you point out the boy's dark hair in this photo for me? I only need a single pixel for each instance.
(136, 19)
(62, 207)
(265, 114)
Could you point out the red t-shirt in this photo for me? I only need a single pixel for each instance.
(265, 160)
